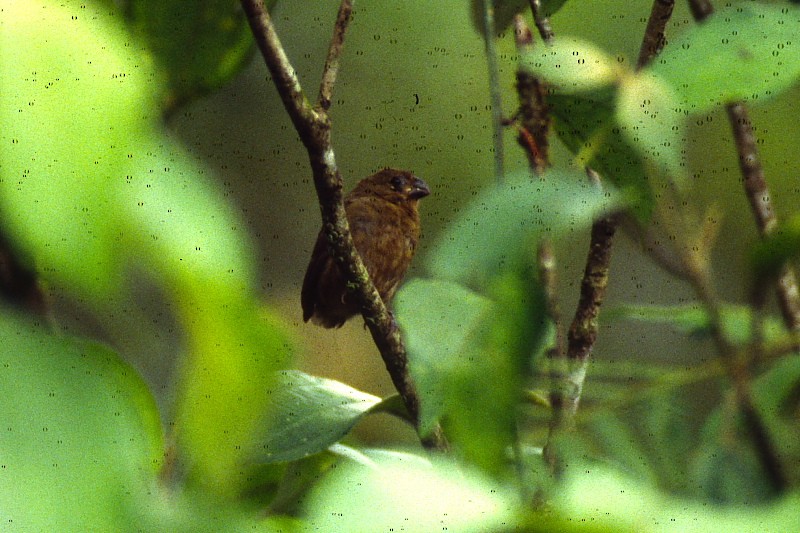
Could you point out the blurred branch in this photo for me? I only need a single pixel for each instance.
(655, 33)
(314, 128)
(758, 194)
(489, 32)
(542, 23)
(582, 333)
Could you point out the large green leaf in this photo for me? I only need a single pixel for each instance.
(586, 124)
(81, 438)
(743, 51)
(469, 356)
(74, 96)
(501, 228)
(439, 319)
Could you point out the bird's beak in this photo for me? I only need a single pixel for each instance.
(419, 189)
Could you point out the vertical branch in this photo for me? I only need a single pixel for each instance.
(313, 126)
(569, 375)
(758, 194)
(489, 32)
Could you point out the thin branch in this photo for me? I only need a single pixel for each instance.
(313, 126)
(757, 192)
(654, 34)
(489, 32)
(331, 69)
(533, 117)
(542, 23)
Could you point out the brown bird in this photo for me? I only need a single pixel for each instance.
(383, 215)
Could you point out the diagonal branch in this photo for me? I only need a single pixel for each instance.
(313, 126)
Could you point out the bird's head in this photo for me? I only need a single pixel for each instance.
(396, 186)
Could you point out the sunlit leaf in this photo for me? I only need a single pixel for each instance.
(402, 493)
(607, 499)
(756, 55)
(81, 437)
(68, 122)
(648, 114)
(572, 66)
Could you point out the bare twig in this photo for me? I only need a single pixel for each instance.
(533, 117)
(331, 69)
(313, 126)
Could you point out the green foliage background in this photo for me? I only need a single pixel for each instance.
(182, 246)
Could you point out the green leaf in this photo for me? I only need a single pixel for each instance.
(572, 66)
(500, 229)
(468, 356)
(81, 435)
(438, 319)
(310, 414)
(647, 111)
(234, 351)
(726, 468)
(613, 502)
(67, 128)
(200, 47)
(746, 51)
(402, 492)
(587, 126)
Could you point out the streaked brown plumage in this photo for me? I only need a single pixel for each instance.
(383, 214)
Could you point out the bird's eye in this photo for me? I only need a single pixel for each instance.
(397, 183)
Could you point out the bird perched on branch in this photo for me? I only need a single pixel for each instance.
(382, 211)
